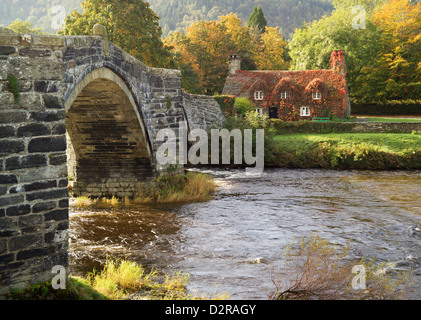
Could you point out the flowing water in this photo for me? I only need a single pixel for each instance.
(232, 242)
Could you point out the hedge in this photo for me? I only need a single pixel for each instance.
(400, 108)
(286, 127)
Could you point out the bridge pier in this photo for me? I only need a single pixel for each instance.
(75, 108)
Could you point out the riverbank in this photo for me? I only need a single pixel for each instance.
(119, 280)
(369, 151)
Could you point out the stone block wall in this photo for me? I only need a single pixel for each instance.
(33, 188)
(387, 127)
(203, 112)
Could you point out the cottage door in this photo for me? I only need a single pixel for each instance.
(273, 113)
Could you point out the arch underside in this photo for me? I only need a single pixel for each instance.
(108, 152)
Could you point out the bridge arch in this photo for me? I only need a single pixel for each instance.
(108, 147)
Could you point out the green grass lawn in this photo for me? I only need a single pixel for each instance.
(391, 119)
(393, 142)
(348, 150)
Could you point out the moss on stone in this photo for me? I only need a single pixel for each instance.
(14, 87)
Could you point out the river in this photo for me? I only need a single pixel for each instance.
(233, 241)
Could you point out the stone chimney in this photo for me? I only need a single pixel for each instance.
(234, 64)
(337, 61)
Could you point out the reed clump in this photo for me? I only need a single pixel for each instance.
(168, 188)
(177, 188)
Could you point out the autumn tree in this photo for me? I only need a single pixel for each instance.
(242, 38)
(271, 51)
(190, 80)
(206, 45)
(209, 45)
(131, 25)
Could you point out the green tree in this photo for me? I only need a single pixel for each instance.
(398, 66)
(257, 20)
(22, 27)
(131, 24)
(311, 47)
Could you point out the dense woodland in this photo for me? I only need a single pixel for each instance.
(382, 43)
(177, 15)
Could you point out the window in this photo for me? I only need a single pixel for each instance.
(259, 111)
(305, 112)
(317, 95)
(258, 95)
(284, 95)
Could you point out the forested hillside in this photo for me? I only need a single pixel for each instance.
(39, 12)
(177, 15)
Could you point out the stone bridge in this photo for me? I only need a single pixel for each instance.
(75, 108)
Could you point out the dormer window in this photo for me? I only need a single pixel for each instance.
(317, 95)
(258, 95)
(284, 95)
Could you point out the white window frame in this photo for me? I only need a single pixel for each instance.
(259, 111)
(284, 95)
(317, 95)
(305, 112)
(258, 95)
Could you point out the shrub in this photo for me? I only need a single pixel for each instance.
(243, 106)
(255, 121)
(315, 269)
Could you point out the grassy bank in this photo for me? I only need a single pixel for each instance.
(347, 151)
(119, 280)
(390, 119)
(170, 188)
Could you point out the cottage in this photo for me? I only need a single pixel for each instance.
(293, 95)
